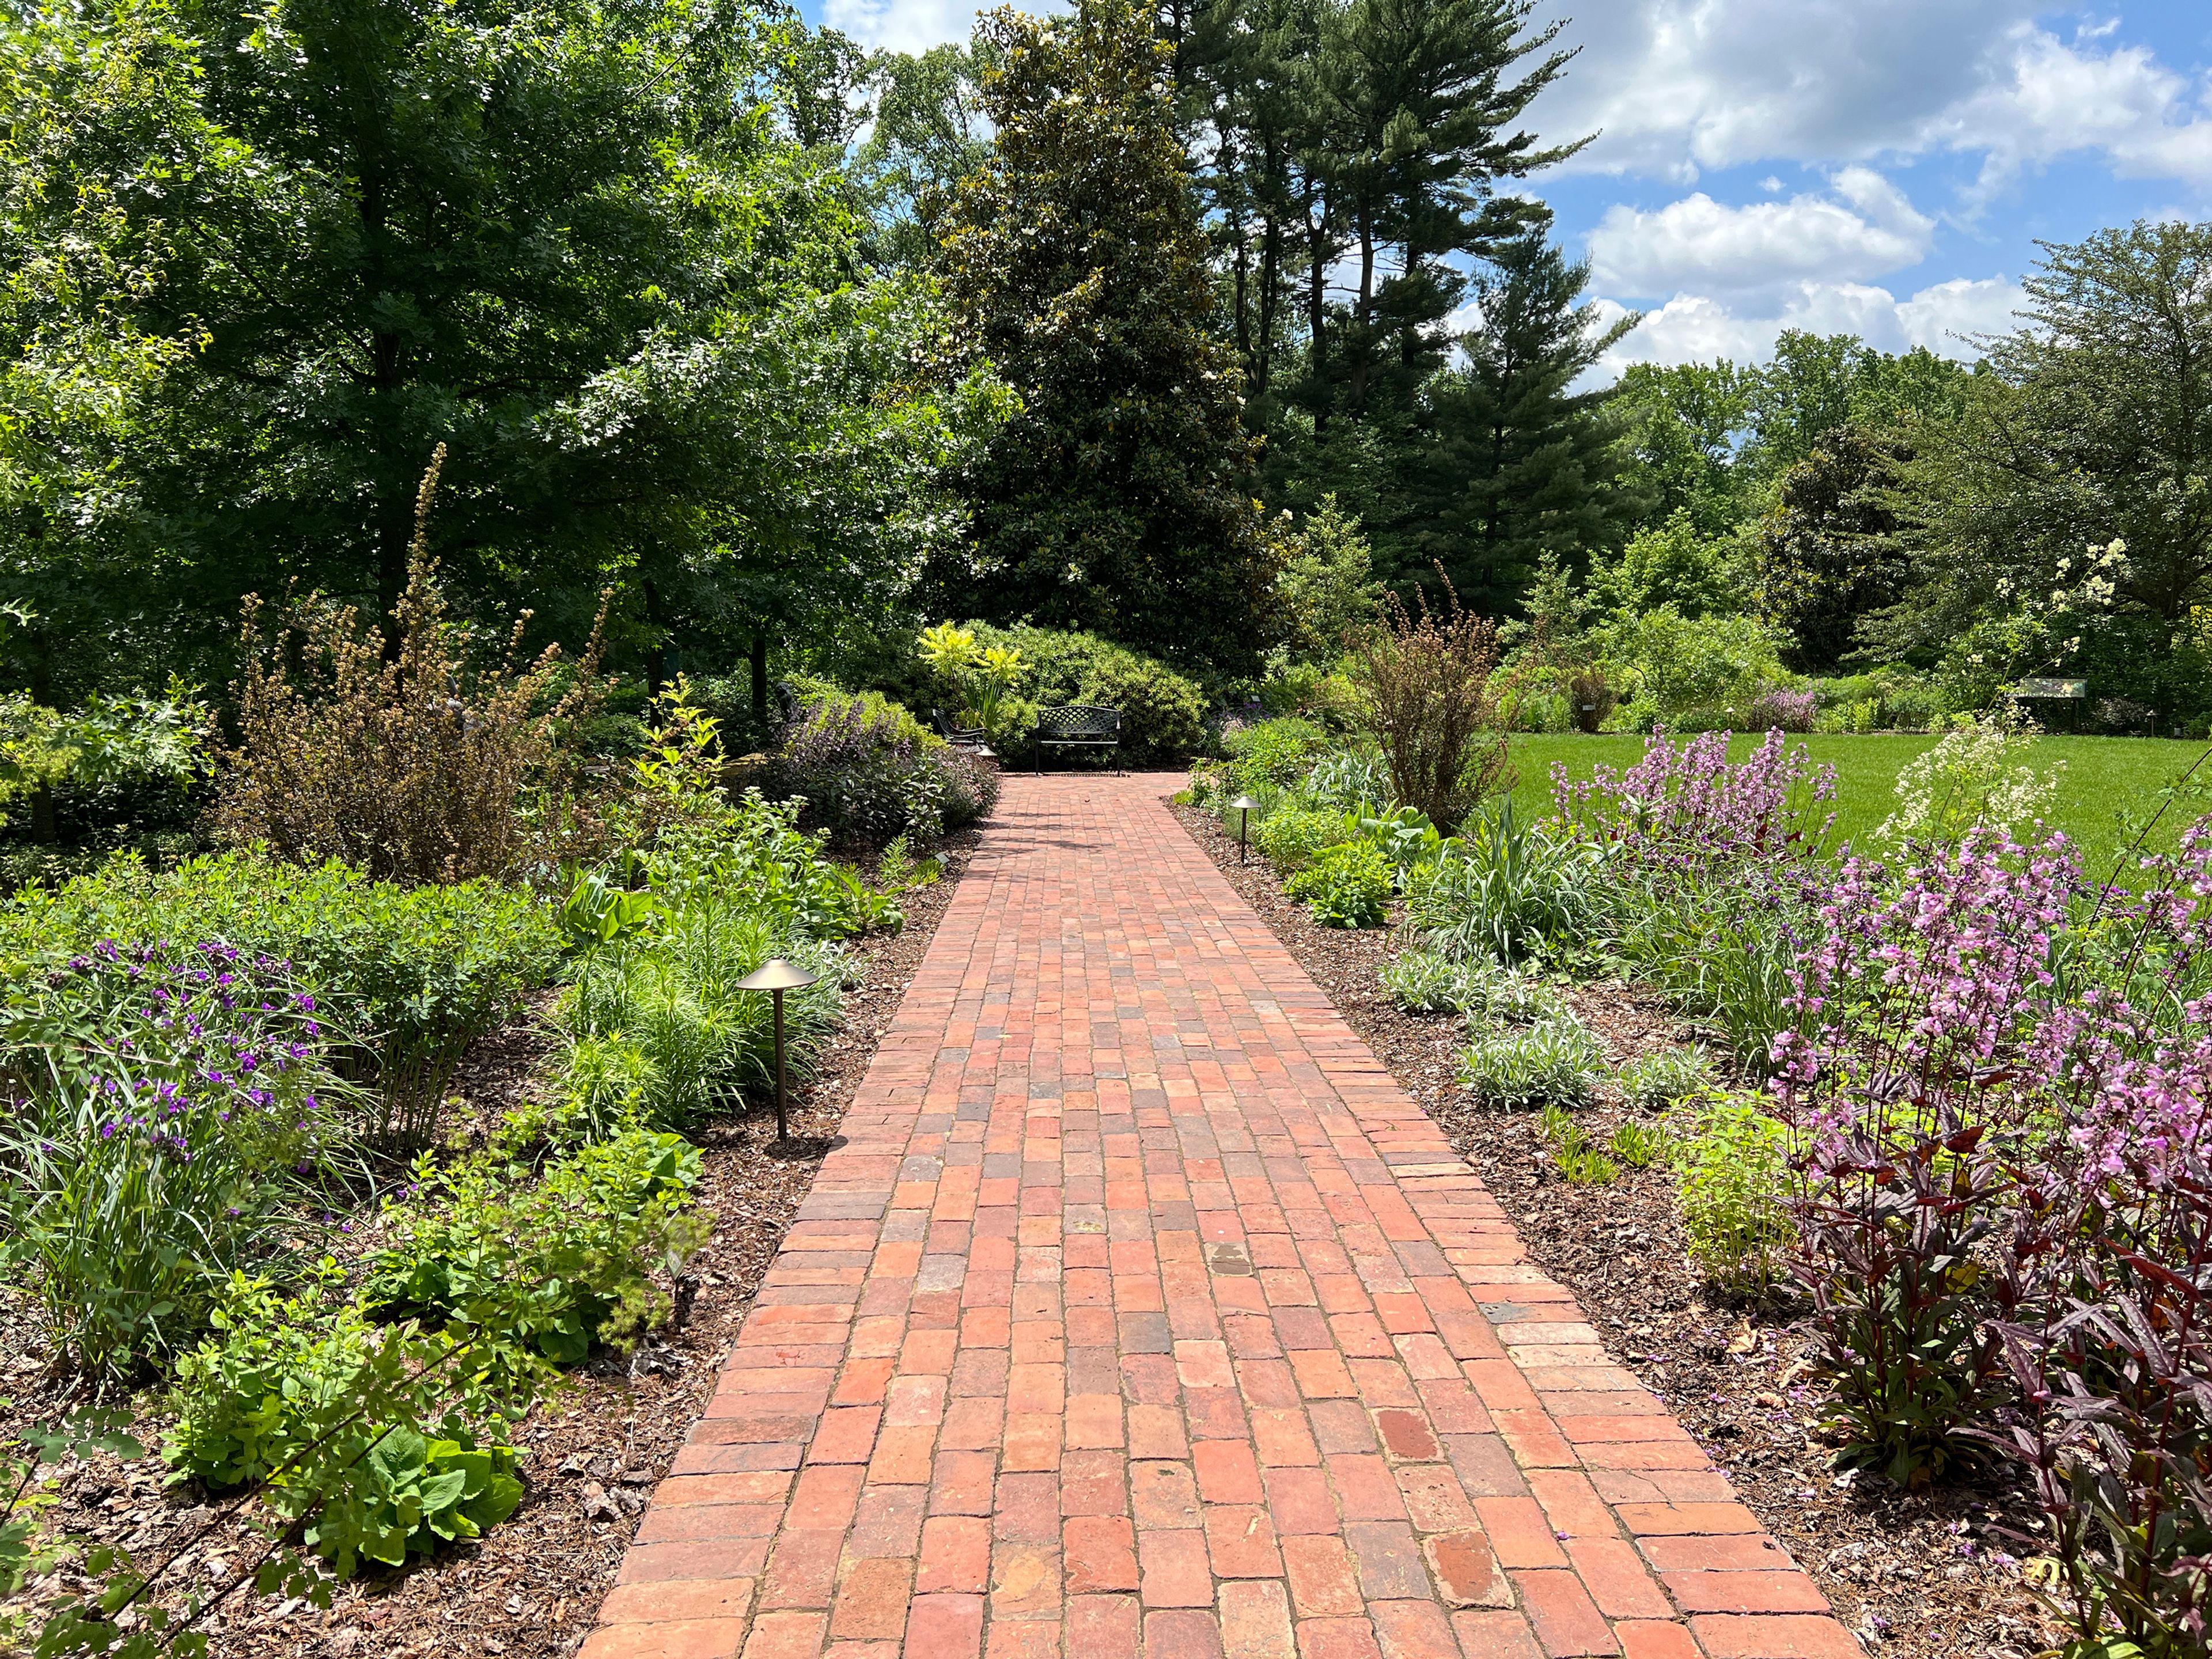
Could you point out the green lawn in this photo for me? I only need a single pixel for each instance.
(2104, 777)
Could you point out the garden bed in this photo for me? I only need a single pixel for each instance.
(594, 1452)
(1919, 1574)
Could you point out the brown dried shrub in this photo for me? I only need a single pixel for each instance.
(1432, 708)
(413, 766)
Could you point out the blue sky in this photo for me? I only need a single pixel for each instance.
(1880, 166)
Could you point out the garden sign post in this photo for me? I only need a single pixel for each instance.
(775, 976)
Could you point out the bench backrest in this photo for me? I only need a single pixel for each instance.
(1077, 721)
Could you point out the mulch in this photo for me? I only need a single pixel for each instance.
(591, 1455)
(1917, 1575)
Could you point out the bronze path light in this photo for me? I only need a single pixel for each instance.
(1242, 807)
(775, 976)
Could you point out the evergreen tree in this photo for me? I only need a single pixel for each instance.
(1119, 498)
(1522, 462)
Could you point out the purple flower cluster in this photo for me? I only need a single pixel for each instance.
(1690, 806)
(174, 1049)
(2001, 1076)
(1778, 710)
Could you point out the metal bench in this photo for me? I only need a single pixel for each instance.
(1079, 726)
(960, 737)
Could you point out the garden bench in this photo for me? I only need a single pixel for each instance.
(1079, 726)
(960, 737)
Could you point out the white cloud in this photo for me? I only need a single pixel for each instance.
(2045, 98)
(1697, 242)
(901, 25)
(1676, 87)
(1697, 327)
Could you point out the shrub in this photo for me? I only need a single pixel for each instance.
(1557, 1060)
(1504, 891)
(1694, 674)
(164, 1102)
(1272, 754)
(868, 771)
(1345, 886)
(1423, 982)
(1163, 713)
(1731, 1175)
(376, 1443)
(407, 977)
(411, 766)
(1779, 709)
(1426, 680)
(557, 1266)
(1661, 1079)
(1292, 837)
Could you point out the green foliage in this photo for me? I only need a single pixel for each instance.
(293, 251)
(1685, 424)
(653, 1021)
(867, 771)
(1272, 754)
(558, 1265)
(1522, 464)
(1670, 564)
(1292, 837)
(1345, 886)
(1118, 499)
(1324, 586)
(168, 1105)
(1504, 891)
(1432, 982)
(380, 1441)
(27, 1551)
(1578, 1161)
(1694, 674)
(1828, 551)
(1557, 1061)
(1163, 713)
(408, 976)
(1661, 1078)
(1731, 1160)
(1638, 1144)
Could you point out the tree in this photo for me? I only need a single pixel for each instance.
(1523, 462)
(1326, 586)
(1827, 552)
(608, 255)
(1683, 426)
(2092, 425)
(929, 133)
(1118, 499)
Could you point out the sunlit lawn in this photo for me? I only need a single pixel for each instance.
(2105, 778)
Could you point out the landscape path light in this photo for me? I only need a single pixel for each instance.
(775, 976)
(1242, 807)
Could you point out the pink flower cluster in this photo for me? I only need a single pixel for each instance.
(1691, 806)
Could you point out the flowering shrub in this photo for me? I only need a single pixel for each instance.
(165, 1103)
(1780, 709)
(868, 772)
(409, 976)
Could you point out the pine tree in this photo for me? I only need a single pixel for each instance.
(1119, 498)
(1522, 462)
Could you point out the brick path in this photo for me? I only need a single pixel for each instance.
(1142, 1313)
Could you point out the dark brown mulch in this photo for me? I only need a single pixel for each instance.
(1920, 1576)
(594, 1452)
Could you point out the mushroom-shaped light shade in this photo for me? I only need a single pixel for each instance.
(1243, 804)
(776, 974)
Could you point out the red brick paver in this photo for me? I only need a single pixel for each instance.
(1141, 1313)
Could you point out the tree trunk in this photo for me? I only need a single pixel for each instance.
(1316, 305)
(1363, 313)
